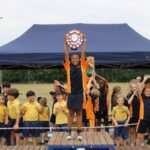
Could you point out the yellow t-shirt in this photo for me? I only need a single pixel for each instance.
(44, 116)
(120, 113)
(31, 110)
(13, 108)
(61, 115)
(2, 113)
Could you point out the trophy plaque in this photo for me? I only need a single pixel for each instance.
(74, 39)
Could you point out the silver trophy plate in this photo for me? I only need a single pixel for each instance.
(74, 39)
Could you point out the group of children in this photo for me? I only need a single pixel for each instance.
(83, 101)
(22, 119)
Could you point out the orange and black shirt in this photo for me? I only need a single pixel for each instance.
(145, 108)
(76, 77)
(134, 107)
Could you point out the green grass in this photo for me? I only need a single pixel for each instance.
(43, 89)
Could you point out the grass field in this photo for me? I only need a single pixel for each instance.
(43, 89)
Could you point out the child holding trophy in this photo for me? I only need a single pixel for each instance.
(75, 67)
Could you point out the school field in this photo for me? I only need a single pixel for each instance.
(43, 89)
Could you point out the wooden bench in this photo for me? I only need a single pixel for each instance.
(21, 147)
(90, 140)
(133, 148)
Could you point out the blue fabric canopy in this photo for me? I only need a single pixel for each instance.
(42, 45)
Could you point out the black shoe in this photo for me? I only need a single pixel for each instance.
(41, 143)
(148, 142)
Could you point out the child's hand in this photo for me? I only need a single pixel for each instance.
(126, 124)
(116, 124)
(6, 122)
(16, 126)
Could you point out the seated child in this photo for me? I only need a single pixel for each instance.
(120, 116)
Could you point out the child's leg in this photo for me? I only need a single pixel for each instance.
(118, 141)
(34, 141)
(132, 136)
(25, 141)
(70, 119)
(12, 138)
(140, 139)
(0, 141)
(79, 120)
(42, 135)
(17, 138)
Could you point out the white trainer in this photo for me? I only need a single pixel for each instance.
(79, 137)
(69, 137)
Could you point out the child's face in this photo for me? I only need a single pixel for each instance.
(1, 100)
(75, 59)
(133, 87)
(5, 89)
(31, 98)
(120, 101)
(10, 97)
(101, 84)
(147, 92)
(59, 97)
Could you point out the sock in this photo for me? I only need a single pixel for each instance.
(78, 131)
(69, 131)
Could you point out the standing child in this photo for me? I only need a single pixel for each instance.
(44, 119)
(144, 122)
(76, 86)
(120, 116)
(134, 107)
(60, 110)
(30, 111)
(13, 115)
(2, 117)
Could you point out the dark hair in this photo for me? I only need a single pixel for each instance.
(59, 93)
(39, 98)
(43, 101)
(30, 93)
(147, 86)
(6, 84)
(147, 81)
(13, 92)
(74, 54)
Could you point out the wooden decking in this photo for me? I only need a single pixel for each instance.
(133, 148)
(90, 140)
(21, 147)
(45, 148)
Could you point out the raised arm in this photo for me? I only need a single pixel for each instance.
(66, 50)
(84, 47)
(131, 98)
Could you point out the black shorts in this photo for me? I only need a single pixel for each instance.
(53, 119)
(133, 120)
(44, 124)
(75, 101)
(11, 123)
(84, 118)
(143, 126)
(101, 115)
(2, 131)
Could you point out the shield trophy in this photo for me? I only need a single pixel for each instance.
(74, 39)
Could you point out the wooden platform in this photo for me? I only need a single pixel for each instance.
(90, 140)
(21, 147)
(45, 148)
(133, 148)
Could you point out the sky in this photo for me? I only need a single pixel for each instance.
(17, 16)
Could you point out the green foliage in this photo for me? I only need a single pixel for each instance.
(48, 75)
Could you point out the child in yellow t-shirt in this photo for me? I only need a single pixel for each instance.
(30, 111)
(120, 116)
(44, 118)
(61, 111)
(2, 117)
(13, 115)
